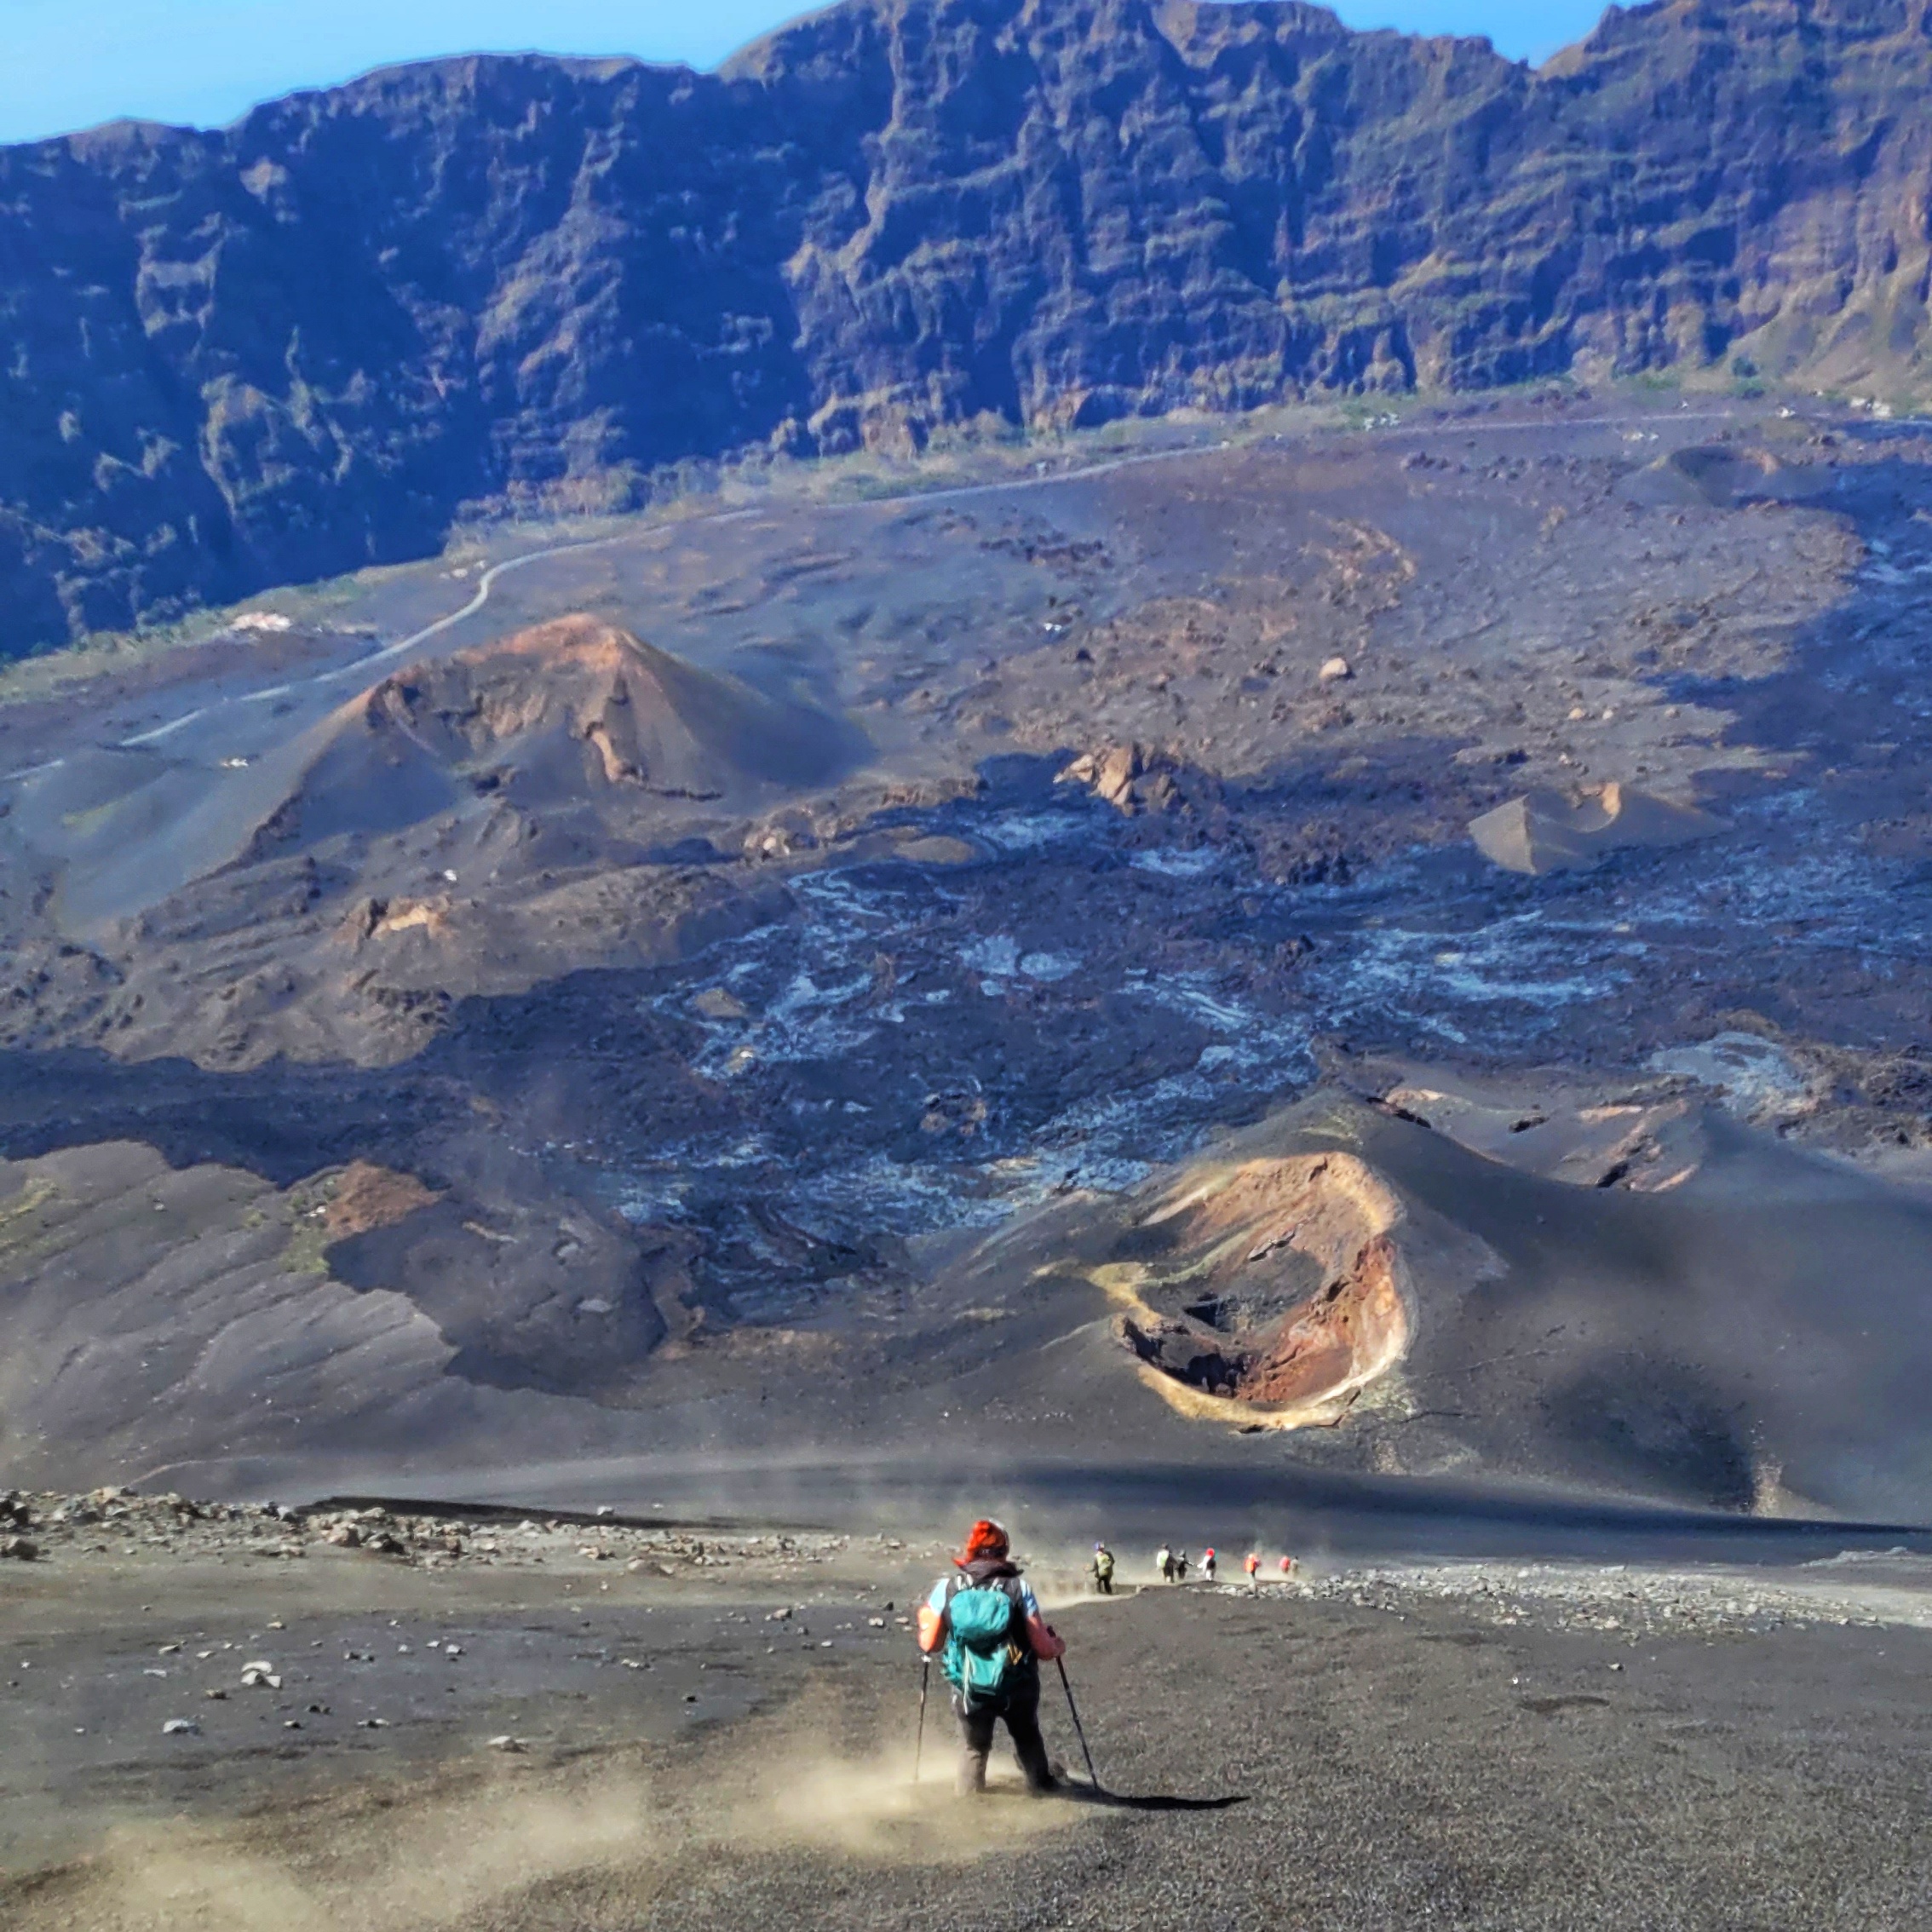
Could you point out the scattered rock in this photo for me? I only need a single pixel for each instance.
(180, 1727)
(1109, 774)
(105, 1523)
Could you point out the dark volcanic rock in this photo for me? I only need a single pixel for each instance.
(291, 348)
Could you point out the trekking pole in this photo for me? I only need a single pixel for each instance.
(919, 1736)
(1073, 1712)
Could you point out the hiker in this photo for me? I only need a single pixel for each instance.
(1164, 1562)
(1179, 1566)
(1103, 1569)
(1252, 1564)
(985, 1624)
(1287, 1566)
(1207, 1565)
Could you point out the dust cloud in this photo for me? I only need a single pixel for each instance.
(496, 1846)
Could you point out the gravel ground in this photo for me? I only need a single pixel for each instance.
(118, 1521)
(1467, 1745)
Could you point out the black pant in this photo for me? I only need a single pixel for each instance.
(1021, 1710)
(1104, 1583)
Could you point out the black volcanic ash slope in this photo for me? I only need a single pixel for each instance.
(285, 349)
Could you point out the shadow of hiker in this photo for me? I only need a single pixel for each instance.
(1123, 1800)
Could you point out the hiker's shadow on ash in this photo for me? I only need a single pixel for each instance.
(1124, 1801)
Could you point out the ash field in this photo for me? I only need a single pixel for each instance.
(1354, 990)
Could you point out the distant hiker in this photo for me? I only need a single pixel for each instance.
(1207, 1566)
(1164, 1562)
(1287, 1566)
(1179, 1566)
(985, 1625)
(1103, 1569)
(1252, 1564)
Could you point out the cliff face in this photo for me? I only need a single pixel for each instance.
(300, 344)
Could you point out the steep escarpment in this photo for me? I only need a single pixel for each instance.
(304, 343)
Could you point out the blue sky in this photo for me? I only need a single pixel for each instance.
(67, 64)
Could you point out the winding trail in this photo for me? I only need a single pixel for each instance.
(487, 582)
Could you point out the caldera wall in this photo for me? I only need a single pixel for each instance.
(291, 347)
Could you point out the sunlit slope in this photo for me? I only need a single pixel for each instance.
(1334, 1288)
(1754, 1336)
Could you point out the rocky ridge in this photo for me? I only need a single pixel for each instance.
(117, 1520)
(1633, 1602)
(1629, 1603)
(304, 344)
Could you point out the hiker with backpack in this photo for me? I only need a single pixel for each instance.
(984, 1623)
(1103, 1569)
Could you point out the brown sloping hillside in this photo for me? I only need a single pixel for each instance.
(573, 715)
(569, 710)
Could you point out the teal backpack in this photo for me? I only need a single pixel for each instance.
(980, 1649)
